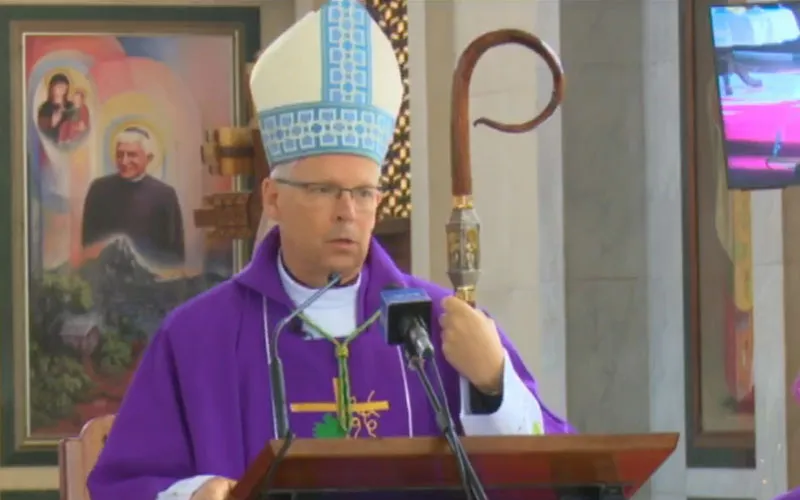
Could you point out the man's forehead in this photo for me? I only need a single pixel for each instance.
(339, 167)
(127, 144)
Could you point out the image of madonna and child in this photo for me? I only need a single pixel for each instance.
(63, 117)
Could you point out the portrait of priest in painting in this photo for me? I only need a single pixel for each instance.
(146, 209)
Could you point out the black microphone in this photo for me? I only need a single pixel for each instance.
(277, 378)
(406, 321)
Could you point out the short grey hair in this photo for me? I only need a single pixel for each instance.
(136, 135)
(283, 170)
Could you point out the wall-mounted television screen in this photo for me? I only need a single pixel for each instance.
(757, 60)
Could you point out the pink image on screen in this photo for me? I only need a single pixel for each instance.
(757, 62)
(764, 123)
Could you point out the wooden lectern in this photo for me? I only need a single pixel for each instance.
(560, 467)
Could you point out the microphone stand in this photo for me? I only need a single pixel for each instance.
(470, 481)
(278, 380)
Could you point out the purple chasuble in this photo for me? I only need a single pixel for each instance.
(790, 495)
(200, 400)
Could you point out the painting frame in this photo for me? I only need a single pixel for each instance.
(242, 23)
(704, 448)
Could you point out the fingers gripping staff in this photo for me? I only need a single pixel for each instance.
(463, 228)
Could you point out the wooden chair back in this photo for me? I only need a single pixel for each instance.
(77, 457)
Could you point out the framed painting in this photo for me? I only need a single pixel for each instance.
(720, 413)
(108, 109)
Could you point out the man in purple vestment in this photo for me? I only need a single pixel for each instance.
(790, 495)
(199, 409)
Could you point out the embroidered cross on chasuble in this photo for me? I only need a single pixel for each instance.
(344, 415)
(364, 415)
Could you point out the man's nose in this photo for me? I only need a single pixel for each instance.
(345, 206)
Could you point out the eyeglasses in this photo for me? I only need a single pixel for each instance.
(364, 197)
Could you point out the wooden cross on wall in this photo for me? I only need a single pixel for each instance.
(238, 151)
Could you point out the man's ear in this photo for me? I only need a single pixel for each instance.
(150, 158)
(269, 199)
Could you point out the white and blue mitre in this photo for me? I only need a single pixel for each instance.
(330, 84)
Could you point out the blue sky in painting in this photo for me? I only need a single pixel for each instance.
(159, 48)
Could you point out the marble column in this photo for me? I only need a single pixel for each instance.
(622, 222)
(605, 216)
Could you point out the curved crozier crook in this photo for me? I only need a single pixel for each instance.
(459, 140)
(556, 70)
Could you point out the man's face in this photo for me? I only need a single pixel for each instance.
(327, 229)
(132, 160)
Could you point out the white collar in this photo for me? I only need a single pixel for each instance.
(337, 297)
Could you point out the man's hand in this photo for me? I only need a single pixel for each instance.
(471, 344)
(217, 488)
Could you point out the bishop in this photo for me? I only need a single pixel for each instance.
(199, 409)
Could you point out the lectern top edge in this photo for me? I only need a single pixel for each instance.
(555, 444)
(527, 462)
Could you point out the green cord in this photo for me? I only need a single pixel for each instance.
(342, 351)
